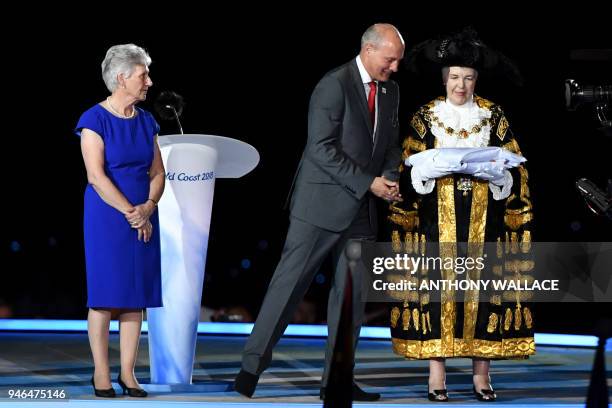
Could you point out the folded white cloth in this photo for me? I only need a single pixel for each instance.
(485, 170)
(487, 163)
(456, 157)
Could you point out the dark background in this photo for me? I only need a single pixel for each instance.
(248, 74)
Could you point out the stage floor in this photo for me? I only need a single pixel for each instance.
(555, 375)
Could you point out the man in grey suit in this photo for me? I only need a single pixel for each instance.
(351, 157)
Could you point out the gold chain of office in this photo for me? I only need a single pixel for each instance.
(461, 133)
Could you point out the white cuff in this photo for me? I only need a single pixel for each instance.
(502, 190)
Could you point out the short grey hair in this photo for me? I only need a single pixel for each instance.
(122, 59)
(375, 34)
(445, 71)
(371, 36)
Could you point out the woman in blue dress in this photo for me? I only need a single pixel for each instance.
(121, 226)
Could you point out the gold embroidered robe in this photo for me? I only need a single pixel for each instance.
(499, 327)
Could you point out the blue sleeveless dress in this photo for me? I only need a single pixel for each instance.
(122, 272)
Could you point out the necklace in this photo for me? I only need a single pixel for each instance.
(117, 113)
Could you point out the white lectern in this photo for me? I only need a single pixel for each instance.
(192, 163)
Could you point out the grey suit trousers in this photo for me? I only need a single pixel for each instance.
(306, 247)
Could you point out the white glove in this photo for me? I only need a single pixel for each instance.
(501, 187)
(421, 184)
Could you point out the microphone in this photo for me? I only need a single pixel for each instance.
(176, 117)
(169, 106)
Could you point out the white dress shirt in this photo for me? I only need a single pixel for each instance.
(366, 79)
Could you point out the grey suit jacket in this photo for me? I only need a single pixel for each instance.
(342, 157)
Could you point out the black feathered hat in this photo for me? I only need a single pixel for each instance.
(464, 49)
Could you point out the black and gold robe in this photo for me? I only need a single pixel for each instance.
(498, 327)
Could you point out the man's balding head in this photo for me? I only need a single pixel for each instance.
(382, 48)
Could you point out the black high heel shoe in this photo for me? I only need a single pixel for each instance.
(132, 392)
(485, 395)
(438, 395)
(109, 393)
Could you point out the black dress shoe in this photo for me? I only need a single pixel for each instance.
(358, 394)
(245, 383)
(438, 395)
(132, 392)
(361, 395)
(485, 395)
(109, 393)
